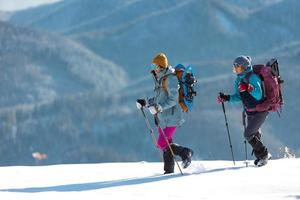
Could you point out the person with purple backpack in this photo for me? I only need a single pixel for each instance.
(249, 90)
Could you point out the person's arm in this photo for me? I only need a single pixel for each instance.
(236, 97)
(256, 90)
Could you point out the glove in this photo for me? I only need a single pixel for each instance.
(243, 87)
(141, 103)
(154, 109)
(223, 97)
(250, 88)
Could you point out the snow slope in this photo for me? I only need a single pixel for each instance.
(143, 180)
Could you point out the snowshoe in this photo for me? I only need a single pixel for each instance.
(263, 161)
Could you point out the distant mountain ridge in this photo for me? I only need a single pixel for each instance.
(45, 79)
(4, 16)
(136, 27)
(38, 65)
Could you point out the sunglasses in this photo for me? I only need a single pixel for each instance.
(155, 67)
(237, 68)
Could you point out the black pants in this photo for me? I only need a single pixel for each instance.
(254, 122)
(253, 134)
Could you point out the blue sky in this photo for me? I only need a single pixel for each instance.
(11, 5)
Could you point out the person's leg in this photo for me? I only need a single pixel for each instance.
(253, 135)
(184, 152)
(162, 144)
(254, 122)
(168, 132)
(259, 150)
(168, 161)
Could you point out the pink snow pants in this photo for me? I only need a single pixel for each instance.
(169, 131)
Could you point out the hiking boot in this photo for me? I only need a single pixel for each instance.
(256, 161)
(263, 161)
(186, 160)
(168, 172)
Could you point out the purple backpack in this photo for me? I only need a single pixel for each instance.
(271, 85)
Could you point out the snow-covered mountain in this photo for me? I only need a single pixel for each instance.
(132, 31)
(39, 66)
(143, 180)
(43, 74)
(86, 125)
(4, 16)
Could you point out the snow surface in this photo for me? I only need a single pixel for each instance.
(143, 180)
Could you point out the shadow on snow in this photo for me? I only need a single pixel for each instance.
(108, 184)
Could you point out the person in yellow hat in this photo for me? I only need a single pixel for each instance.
(167, 111)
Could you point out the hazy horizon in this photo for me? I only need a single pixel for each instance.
(14, 5)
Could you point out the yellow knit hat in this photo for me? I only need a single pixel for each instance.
(160, 60)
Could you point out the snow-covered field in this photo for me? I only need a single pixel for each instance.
(280, 179)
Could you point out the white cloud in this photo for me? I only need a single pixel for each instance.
(12, 5)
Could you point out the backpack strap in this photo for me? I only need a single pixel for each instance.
(263, 88)
(164, 84)
(248, 100)
(247, 77)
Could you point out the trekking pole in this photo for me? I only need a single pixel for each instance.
(228, 132)
(151, 132)
(245, 142)
(169, 146)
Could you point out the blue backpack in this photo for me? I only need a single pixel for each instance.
(186, 79)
